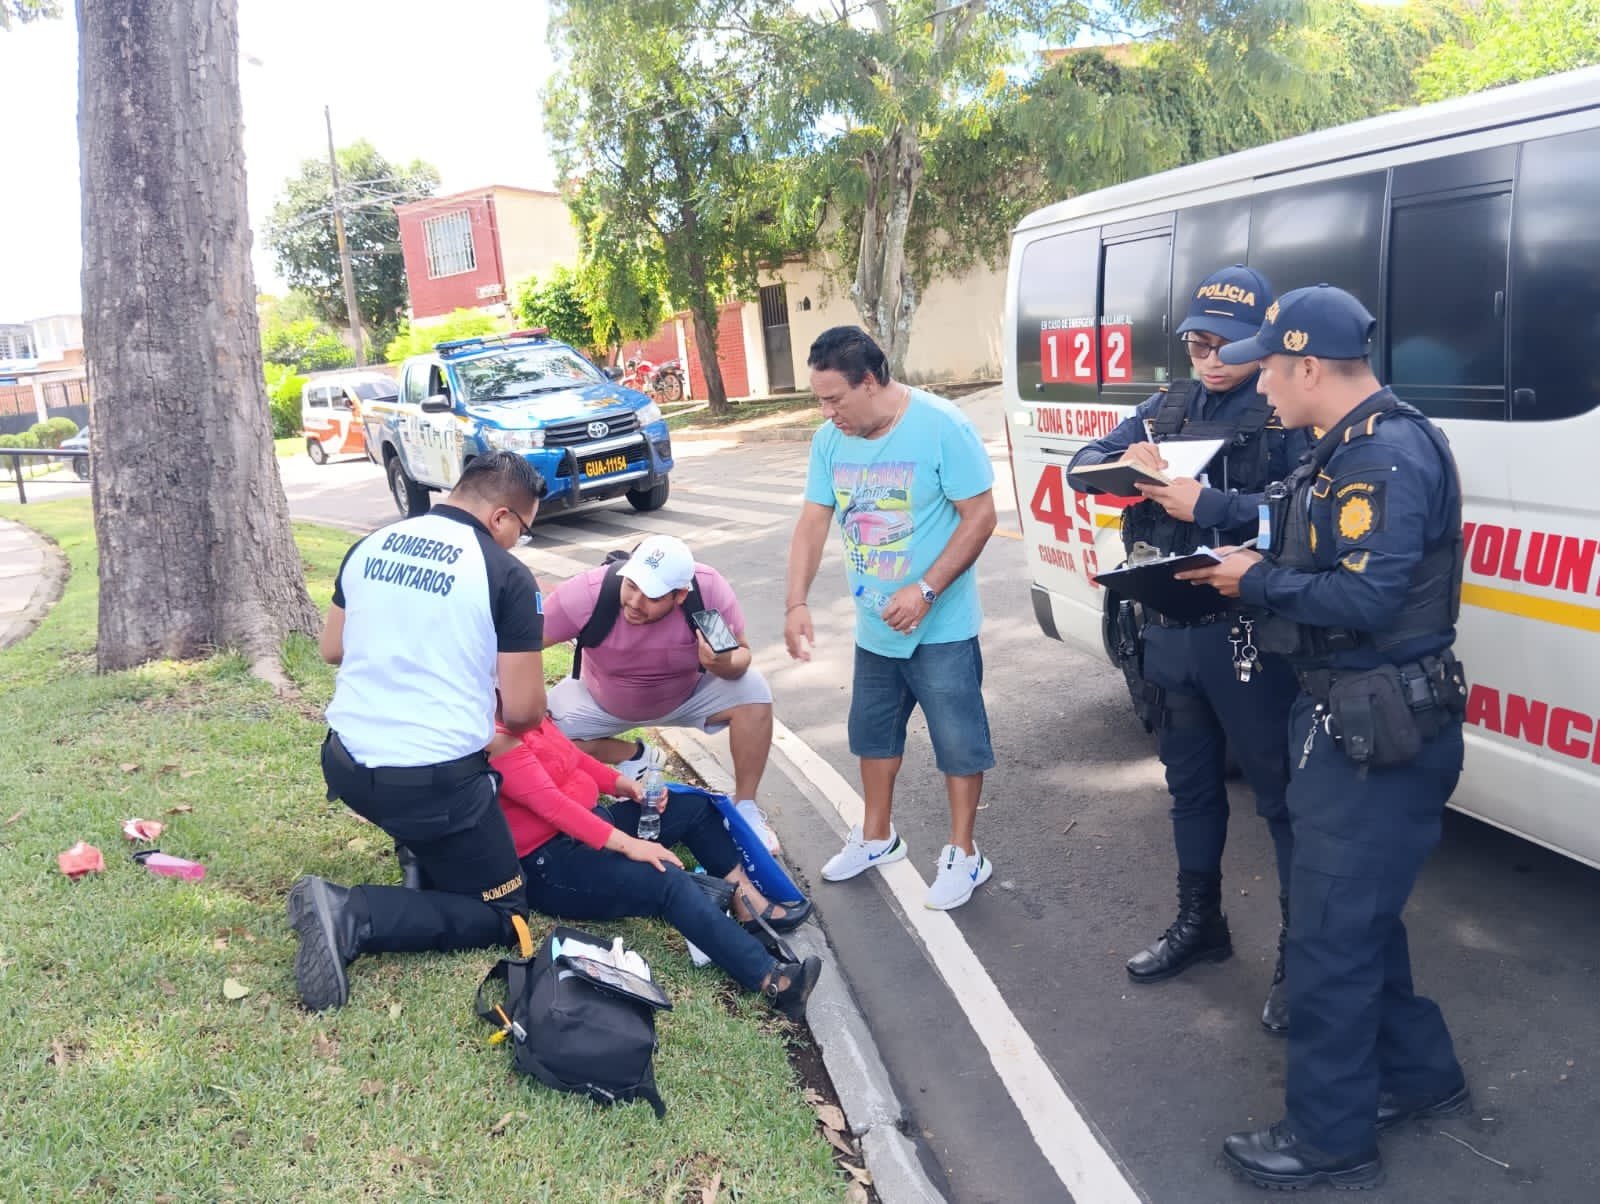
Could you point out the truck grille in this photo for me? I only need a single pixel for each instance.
(570, 434)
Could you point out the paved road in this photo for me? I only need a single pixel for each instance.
(1504, 934)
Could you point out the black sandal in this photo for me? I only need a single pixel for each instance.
(802, 976)
(794, 915)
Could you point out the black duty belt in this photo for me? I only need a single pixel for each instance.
(1161, 620)
(445, 773)
(1424, 681)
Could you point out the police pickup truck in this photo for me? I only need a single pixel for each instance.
(522, 392)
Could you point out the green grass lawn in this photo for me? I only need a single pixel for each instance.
(294, 445)
(134, 1076)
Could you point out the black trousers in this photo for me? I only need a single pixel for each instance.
(448, 815)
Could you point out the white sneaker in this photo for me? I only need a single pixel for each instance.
(757, 819)
(859, 854)
(959, 876)
(650, 757)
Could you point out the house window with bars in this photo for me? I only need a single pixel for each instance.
(449, 242)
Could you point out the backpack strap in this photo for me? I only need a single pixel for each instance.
(607, 606)
(513, 971)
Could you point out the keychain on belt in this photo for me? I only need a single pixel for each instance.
(1245, 656)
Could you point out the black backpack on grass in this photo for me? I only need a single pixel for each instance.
(578, 1025)
(608, 606)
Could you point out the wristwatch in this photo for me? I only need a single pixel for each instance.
(928, 592)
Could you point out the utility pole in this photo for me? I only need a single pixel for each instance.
(351, 305)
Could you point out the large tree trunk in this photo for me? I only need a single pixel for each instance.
(885, 292)
(705, 318)
(193, 528)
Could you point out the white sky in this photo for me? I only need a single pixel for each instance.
(458, 85)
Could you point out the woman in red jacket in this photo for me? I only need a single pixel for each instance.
(582, 861)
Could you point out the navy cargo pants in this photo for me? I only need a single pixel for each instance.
(1356, 1026)
(1207, 710)
(450, 818)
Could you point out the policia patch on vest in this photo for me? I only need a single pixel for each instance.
(1358, 509)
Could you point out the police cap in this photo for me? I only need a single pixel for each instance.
(1323, 321)
(1229, 303)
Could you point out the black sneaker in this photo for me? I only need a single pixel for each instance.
(802, 976)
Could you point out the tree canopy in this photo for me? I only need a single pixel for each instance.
(654, 123)
(300, 234)
(556, 303)
(1506, 41)
(22, 11)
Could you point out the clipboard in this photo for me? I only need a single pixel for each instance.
(1153, 584)
(1184, 457)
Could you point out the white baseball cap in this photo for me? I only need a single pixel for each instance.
(659, 565)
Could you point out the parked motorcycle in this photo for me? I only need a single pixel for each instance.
(663, 381)
(666, 382)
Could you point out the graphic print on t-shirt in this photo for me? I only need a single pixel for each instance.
(873, 502)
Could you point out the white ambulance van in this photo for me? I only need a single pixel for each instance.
(1470, 229)
(330, 412)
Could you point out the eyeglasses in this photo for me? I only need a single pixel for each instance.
(527, 531)
(1199, 349)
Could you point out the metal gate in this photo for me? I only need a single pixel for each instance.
(775, 335)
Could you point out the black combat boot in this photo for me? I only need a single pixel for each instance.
(1200, 933)
(331, 935)
(1276, 1159)
(1275, 1016)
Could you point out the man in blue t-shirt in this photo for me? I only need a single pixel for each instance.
(906, 477)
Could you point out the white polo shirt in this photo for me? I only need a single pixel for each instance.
(429, 604)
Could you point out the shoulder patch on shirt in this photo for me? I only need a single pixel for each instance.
(1356, 562)
(1357, 516)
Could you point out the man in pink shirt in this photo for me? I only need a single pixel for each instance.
(653, 668)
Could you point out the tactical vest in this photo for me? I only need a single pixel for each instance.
(1433, 598)
(1241, 465)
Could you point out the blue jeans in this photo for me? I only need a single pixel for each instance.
(946, 681)
(570, 881)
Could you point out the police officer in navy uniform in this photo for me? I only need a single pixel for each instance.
(1362, 579)
(434, 626)
(1200, 682)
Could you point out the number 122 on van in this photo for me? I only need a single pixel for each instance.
(1076, 350)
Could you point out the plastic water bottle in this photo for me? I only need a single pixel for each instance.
(655, 801)
(874, 600)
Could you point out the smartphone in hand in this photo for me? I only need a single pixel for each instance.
(715, 628)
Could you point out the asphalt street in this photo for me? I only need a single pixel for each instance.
(1505, 935)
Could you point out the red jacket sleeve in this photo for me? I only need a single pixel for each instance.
(527, 786)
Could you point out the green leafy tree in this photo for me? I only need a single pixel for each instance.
(556, 303)
(293, 336)
(461, 324)
(1506, 41)
(621, 279)
(301, 237)
(22, 11)
(284, 387)
(661, 119)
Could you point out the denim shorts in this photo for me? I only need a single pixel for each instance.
(946, 681)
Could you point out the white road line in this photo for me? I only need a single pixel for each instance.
(1089, 1171)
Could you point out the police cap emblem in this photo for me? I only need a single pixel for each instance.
(1272, 312)
(1295, 340)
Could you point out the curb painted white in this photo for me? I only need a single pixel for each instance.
(866, 1093)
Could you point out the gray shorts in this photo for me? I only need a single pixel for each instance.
(580, 717)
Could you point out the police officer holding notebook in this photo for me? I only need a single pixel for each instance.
(1362, 579)
(435, 627)
(1202, 684)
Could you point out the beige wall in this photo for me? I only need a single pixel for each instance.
(955, 335)
(536, 234)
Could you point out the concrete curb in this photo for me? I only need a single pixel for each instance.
(871, 1107)
(33, 576)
